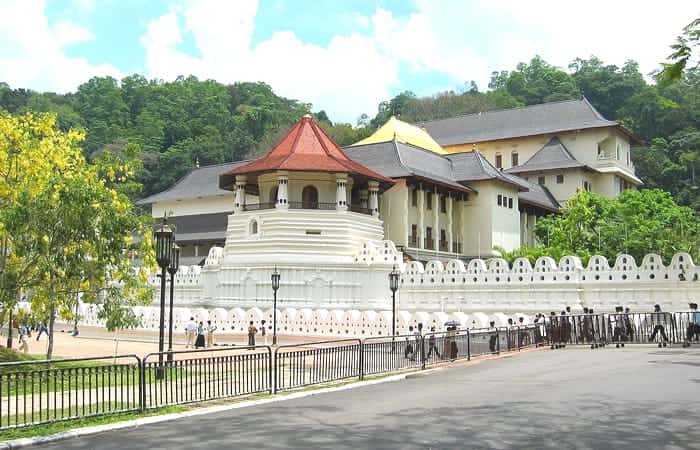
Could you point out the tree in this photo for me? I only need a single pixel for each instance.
(68, 225)
(636, 223)
(672, 71)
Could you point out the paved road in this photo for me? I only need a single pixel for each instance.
(643, 398)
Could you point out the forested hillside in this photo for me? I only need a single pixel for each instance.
(179, 123)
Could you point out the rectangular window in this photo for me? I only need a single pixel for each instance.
(617, 152)
(540, 180)
(560, 179)
(414, 197)
(443, 204)
(514, 158)
(499, 161)
(429, 202)
(443, 235)
(500, 199)
(510, 202)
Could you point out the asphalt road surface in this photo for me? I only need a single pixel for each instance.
(640, 398)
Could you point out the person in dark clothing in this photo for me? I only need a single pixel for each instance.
(629, 327)
(658, 320)
(252, 331)
(200, 343)
(693, 329)
(432, 346)
(493, 340)
(408, 351)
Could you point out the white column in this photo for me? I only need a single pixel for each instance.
(282, 192)
(421, 217)
(196, 249)
(404, 219)
(450, 243)
(374, 197)
(239, 202)
(436, 220)
(531, 230)
(341, 195)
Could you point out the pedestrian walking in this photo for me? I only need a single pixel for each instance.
(432, 344)
(263, 331)
(493, 339)
(200, 341)
(452, 334)
(24, 338)
(190, 333)
(252, 331)
(693, 330)
(210, 334)
(41, 328)
(659, 320)
(409, 351)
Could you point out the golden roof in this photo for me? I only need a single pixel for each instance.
(403, 132)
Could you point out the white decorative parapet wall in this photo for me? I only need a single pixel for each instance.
(493, 285)
(487, 286)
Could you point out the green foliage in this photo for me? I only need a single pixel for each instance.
(636, 223)
(680, 57)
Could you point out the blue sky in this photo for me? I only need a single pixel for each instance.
(342, 56)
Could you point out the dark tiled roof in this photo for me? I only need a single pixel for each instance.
(472, 166)
(202, 227)
(553, 155)
(518, 122)
(398, 160)
(200, 182)
(539, 196)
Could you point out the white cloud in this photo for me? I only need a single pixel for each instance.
(348, 76)
(32, 53)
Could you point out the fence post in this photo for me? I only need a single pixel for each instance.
(362, 359)
(469, 345)
(274, 369)
(142, 383)
(271, 369)
(422, 352)
(498, 342)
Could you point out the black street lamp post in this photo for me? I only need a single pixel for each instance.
(394, 286)
(275, 286)
(164, 238)
(172, 270)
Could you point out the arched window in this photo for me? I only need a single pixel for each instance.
(273, 195)
(309, 197)
(253, 227)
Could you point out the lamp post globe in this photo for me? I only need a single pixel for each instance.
(164, 238)
(275, 278)
(172, 270)
(394, 286)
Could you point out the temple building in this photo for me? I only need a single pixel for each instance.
(456, 188)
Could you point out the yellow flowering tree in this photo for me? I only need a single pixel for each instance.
(67, 227)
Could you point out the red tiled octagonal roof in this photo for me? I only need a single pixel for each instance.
(305, 147)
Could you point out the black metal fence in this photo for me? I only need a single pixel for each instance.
(597, 330)
(299, 365)
(197, 376)
(39, 392)
(36, 392)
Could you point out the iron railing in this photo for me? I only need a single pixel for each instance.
(360, 209)
(412, 241)
(259, 206)
(202, 375)
(312, 205)
(37, 392)
(387, 354)
(299, 365)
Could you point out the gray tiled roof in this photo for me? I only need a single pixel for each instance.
(472, 166)
(553, 155)
(201, 227)
(398, 160)
(539, 196)
(200, 182)
(517, 122)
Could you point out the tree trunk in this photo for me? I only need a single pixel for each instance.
(52, 317)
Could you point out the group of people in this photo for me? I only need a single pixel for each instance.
(414, 339)
(24, 334)
(198, 335)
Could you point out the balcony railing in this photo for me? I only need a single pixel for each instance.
(360, 209)
(444, 246)
(312, 205)
(457, 247)
(413, 241)
(429, 244)
(258, 206)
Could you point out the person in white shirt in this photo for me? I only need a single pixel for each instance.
(210, 334)
(190, 333)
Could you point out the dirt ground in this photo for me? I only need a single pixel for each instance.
(95, 341)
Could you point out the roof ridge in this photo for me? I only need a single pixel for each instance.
(398, 156)
(491, 111)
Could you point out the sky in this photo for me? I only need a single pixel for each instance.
(342, 56)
